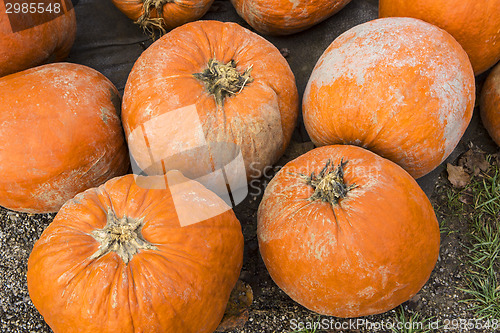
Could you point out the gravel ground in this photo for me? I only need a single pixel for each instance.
(18, 234)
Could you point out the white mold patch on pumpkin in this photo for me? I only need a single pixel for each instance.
(58, 190)
(322, 246)
(107, 114)
(369, 46)
(455, 94)
(367, 292)
(295, 3)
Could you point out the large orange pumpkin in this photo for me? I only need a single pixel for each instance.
(284, 17)
(117, 259)
(400, 87)
(347, 233)
(206, 93)
(475, 24)
(163, 14)
(29, 39)
(60, 133)
(490, 104)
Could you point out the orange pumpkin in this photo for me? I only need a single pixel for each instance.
(163, 14)
(32, 39)
(116, 259)
(490, 104)
(61, 134)
(400, 87)
(206, 93)
(347, 233)
(474, 24)
(284, 17)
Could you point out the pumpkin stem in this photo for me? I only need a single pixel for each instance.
(223, 80)
(149, 23)
(123, 236)
(328, 184)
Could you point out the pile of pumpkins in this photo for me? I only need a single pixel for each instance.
(344, 229)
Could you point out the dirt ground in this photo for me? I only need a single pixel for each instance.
(271, 310)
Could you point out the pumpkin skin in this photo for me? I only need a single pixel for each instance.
(61, 134)
(399, 87)
(369, 252)
(174, 13)
(474, 24)
(258, 118)
(285, 17)
(489, 103)
(182, 284)
(38, 44)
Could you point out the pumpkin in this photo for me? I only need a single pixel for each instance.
(31, 39)
(347, 233)
(163, 14)
(61, 134)
(489, 103)
(284, 17)
(400, 87)
(118, 259)
(209, 95)
(474, 24)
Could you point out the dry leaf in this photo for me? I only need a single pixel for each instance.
(474, 161)
(457, 176)
(236, 314)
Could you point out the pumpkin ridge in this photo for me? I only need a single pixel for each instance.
(120, 235)
(153, 280)
(169, 252)
(78, 271)
(222, 80)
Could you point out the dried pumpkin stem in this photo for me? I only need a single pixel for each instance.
(149, 23)
(123, 236)
(222, 80)
(329, 185)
